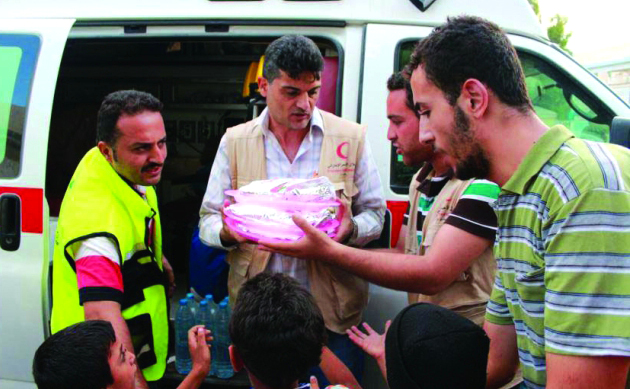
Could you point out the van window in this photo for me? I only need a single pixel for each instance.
(18, 55)
(557, 99)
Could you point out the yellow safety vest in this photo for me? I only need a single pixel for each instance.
(98, 202)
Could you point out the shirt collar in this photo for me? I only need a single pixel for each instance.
(427, 171)
(546, 146)
(317, 122)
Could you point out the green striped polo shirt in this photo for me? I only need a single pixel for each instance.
(563, 252)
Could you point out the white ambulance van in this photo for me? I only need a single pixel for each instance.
(58, 59)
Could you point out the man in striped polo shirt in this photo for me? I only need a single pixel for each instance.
(561, 299)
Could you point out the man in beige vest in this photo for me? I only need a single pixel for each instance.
(293, 139)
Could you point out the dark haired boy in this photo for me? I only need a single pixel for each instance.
(88, 355)
(278, 334)
(293, 139)
(108, 262)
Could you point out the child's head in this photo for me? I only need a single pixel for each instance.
(428, 346)
(84, 356)
(277, 330)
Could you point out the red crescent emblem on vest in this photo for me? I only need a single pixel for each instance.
(340, 150)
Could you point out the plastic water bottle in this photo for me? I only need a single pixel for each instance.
(223, 364)
(183, 322)
(211, 324)
(194, 306)
(203, 315)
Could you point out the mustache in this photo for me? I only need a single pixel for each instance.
(152, 165)
(300, 111)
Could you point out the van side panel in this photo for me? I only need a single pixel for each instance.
(24, 297)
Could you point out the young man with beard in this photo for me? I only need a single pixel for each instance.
(561, 299)
(437, 200)
(108, 262)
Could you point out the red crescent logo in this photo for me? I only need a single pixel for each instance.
(340, 151)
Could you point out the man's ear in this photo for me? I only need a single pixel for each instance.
(106, 150)
(235, 358)
(474, 98)
(263, 86)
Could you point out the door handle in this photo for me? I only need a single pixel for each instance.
(10, 222)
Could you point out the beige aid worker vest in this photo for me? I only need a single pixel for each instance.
(468, 294)
(340, 295)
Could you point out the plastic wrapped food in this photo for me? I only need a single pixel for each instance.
(287, 193)
(264, 209)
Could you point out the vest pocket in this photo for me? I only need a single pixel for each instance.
(138, 276)
(345, 192)
(141, 332)
(351, 293)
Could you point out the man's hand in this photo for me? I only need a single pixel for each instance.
(372, 343)
(346, 226)
(170, 276)
(313, 245)
(228, 236)
(198, 338)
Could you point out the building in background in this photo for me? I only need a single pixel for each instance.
(615, 74)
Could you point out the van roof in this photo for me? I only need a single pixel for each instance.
(512, 15)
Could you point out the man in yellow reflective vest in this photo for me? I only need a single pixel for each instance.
(108, 262)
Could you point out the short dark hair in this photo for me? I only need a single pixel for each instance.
(294, 55)
(398, 81)
(470, 47)
(277, 329)
(76, 357)
(116, 104)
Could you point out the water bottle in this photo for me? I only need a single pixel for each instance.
(183, 322)
(203, 315)
(211, 324)
(192, 303)
(223, 365)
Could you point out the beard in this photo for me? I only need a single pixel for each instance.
(475, 163)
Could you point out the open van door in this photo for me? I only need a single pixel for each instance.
(380, 53)
(30, 54)
(380, 59)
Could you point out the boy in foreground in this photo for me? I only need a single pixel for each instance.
(278, 334)
(88, 355)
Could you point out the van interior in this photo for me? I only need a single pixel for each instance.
(205, 88)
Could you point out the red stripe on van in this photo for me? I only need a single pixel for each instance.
(32, 200)
(397, 209)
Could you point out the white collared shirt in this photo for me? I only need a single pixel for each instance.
(368, 205)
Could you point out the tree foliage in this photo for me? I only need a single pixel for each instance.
(556, 31)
